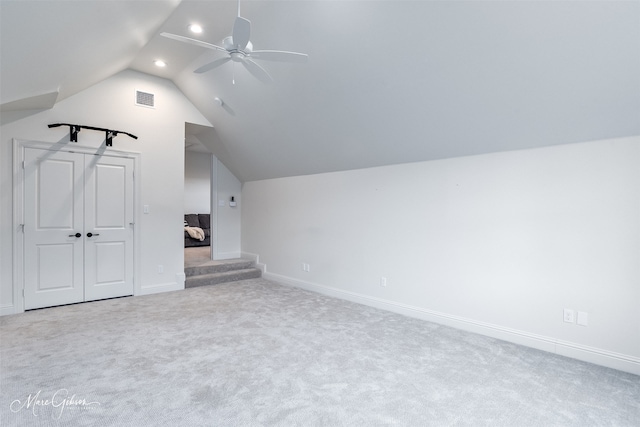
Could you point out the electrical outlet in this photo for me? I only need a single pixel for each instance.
(383, 282)
(569, 315)
(583, 318)
(160, 269)
(306, 267)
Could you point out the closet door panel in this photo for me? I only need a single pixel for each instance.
(108, 227)
(53, 225)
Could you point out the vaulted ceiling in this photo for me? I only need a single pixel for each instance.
(386, 81)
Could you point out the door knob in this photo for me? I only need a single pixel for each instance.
(91, 234)
(75, 235)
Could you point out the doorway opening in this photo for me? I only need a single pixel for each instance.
(199, 239)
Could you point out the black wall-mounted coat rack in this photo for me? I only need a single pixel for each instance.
(74, 129)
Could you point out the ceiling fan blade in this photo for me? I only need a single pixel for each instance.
(193, 41)
(280, 55)
(211, 65)
(257, 71)
(241, 32)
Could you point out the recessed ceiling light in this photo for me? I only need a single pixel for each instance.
(195, 28)
(160, 63)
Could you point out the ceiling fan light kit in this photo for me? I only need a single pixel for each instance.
(239, 48)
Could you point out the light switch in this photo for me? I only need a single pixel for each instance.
(221, 203)
(145, 209)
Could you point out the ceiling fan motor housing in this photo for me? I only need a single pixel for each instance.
(227, 43)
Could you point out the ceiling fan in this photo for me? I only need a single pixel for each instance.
(239, 49)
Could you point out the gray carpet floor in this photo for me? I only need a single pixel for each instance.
(198, 256)
(256, 353)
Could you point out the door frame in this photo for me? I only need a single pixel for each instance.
(213, 208)
(19, 146)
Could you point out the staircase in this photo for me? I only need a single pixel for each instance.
(215, 272)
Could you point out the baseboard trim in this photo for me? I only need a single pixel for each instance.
(255, 259)
(227, 255)
(161, 287)
(181, 278)
(6, 310)
(584, 353)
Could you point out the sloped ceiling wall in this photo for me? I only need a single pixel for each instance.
(67, 46)
(387, 81)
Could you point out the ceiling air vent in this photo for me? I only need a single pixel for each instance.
(145, 99)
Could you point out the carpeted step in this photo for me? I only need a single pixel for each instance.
(222, 277)
(218, 267)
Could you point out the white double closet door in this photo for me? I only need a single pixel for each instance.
(78, 227)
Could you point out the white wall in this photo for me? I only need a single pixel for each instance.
(197, 183)
(160, 131)
(226, 244)
(498, 244)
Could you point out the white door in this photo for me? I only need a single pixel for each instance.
(53, 209)
(78, 235)
(108, 232)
